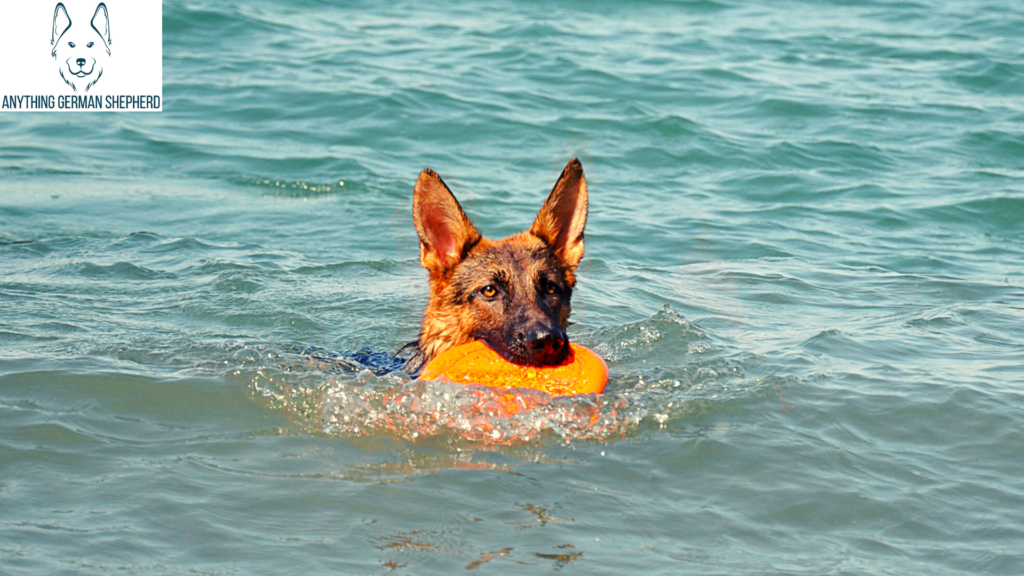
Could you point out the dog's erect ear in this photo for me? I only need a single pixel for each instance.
(101, 24)
(446, 234)
(562, 218)
(61, 23)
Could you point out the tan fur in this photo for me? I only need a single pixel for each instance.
(525, 266)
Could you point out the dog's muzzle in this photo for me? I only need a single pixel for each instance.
(80, 64)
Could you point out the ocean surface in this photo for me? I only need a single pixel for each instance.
(803, 267)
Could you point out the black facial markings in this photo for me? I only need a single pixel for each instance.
(502, 281)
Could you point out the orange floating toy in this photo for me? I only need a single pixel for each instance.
(583, 372)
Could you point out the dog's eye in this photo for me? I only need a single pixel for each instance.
(72, 44)
(489, 291)
(89, 45)
(551, 289)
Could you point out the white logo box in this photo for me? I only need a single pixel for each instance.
(58, 59)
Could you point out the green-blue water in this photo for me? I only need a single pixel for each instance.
(804, 267)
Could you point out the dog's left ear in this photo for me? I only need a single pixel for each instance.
(562, 218)
(101, 24)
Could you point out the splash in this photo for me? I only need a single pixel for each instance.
(664, 370)
(475, 413)
(340, 398)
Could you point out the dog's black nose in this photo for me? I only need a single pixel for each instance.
(547, 346)
(80, 61)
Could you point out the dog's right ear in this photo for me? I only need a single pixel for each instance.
(446, 234)
(61, 23)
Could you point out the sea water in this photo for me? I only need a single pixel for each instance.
(803, 267)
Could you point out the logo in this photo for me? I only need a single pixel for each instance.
(61, 56)
(81, 51)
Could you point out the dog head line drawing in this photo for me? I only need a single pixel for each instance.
(80, 48)
(513, 294)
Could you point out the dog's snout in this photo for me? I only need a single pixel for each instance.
(543, 339)
(80, 61)
(546, 344)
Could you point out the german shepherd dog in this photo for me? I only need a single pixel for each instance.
(80, 48)
(513, 294)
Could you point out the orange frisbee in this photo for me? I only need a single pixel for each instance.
(583, 372)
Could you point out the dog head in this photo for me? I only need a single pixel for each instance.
(513, 294)
(80, 48)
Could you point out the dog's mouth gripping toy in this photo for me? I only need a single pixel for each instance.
(582, 372)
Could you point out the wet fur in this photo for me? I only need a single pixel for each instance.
(532, 274)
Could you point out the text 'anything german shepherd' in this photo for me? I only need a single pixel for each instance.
(513, 294)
